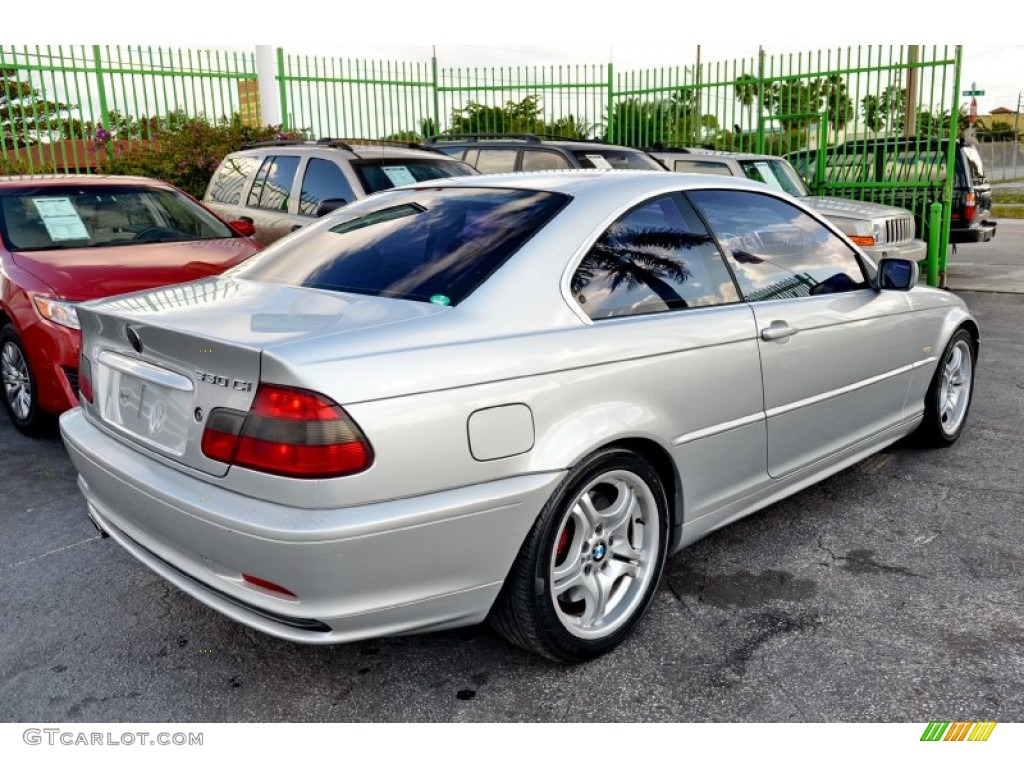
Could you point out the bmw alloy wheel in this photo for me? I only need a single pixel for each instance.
(954, 392)
(605, 555)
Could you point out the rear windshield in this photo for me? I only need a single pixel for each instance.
(599, 157)
(435, 245)
(377, 175)
(48, 217)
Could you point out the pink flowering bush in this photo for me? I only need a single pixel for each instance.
(185, 151)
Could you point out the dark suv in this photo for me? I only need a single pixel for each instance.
(508, 152)
(280, 186)
(920, 165)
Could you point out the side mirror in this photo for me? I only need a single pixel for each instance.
(896, 274)
(243, 227)
(331, 204)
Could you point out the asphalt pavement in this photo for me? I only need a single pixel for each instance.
(890, 592)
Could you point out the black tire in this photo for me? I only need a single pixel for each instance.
(605, 529)
(950, 393)
(18, 386)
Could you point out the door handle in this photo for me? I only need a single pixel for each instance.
(295, 227)
(246, 218)
(777, 330)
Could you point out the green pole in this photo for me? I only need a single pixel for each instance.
(282, 89)
(954, 130)
(934, 242)
(610, 106)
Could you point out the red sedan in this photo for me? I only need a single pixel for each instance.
(68, 239)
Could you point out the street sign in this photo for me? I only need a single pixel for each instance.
(974, 93)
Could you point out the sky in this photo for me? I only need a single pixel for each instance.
(640, 34)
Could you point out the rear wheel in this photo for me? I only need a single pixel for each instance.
(591, 564)
(949, 396)
(19, 386)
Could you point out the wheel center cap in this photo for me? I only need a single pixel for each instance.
(599, 552)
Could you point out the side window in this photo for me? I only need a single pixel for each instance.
(701, 166)
(323, 180)
(273, 185)
(543, 160)
(657, 257)
(776, 250)
(497, 160)
(230, 179)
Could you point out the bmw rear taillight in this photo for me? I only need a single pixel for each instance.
(84, 378)
(290, 432)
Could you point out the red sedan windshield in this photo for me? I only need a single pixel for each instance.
(89, 215)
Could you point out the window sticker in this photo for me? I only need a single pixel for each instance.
(600, 161)
(398, 174)
(60, 218)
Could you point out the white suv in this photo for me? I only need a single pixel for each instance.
(279, 186)
(881, 231)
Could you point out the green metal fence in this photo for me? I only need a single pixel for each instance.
(813, 106)
(55, 101)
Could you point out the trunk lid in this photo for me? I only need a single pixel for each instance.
(162, 360)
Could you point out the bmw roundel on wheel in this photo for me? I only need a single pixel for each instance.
(505, 398)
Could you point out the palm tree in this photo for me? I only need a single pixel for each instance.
(745, 90)
(633, 257)
(838, 105)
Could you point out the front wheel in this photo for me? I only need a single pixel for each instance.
(949, 395)
(591, 563)
(19, 386)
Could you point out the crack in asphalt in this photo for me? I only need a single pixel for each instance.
(54, 551)
(682, 603)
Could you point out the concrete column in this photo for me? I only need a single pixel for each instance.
(266, 71)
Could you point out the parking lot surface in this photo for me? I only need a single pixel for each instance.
(890, 592)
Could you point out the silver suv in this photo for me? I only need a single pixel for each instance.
(279, 186)
(881, 231)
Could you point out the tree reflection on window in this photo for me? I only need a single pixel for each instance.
(627, 259)
(657, 257)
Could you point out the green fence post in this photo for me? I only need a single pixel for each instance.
(610, 106)
(282, 89)
(101, 89)
(435, 86)
(934, 242)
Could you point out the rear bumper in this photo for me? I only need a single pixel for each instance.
(406, 565)
(982, 233)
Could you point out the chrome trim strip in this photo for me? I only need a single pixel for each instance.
(926, 361)
(725, 426)
(781, 409)
(145, 371)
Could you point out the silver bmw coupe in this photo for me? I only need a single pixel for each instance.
(506, 397)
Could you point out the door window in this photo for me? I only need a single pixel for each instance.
(657, 257)
(273, 185)
(496, 160)
(323, 180)
(775, 249)
(543, 160)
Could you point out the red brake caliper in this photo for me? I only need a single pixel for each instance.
(563, 543)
